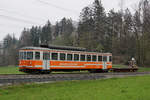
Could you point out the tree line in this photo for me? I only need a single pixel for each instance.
(124, 34)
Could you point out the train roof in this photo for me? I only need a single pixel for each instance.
(64, 47)
(34, 48)
(44, 48)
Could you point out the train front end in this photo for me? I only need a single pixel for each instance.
(29, 61)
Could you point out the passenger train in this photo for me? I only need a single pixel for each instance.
(46, 59)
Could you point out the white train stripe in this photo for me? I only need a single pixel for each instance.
(26, 66)
(38, 65)
(93, 64)
(78, 66)
(109, 64)
(68, 66)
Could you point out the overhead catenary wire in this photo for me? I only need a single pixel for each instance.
(27, 21)
(17, 19)
(30, 21)
(20, 14)
(11, 25)
(58, 7)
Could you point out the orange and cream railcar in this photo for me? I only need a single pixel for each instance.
(39, 59)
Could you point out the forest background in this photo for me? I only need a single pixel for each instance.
(123, 33)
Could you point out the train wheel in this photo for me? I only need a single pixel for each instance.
(48, 72)
(93, 71)
(45, 72)
(103, 71)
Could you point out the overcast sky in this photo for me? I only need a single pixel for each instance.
(17, 14)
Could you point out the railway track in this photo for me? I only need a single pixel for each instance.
(30, 78)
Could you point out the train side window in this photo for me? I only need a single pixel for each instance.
(46, 56)
(82, 57)
(105, 58)
(99, 58)
(110, 58)
(21, 55)
(24, 55)
(69, 57)
(94, 58)
(29, 55)
(76, 57)
(54, 56)
(88, 57)
(37, 55)
(62, 56)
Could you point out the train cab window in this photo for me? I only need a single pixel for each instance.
(37, 55)
(82, 57)
(54, 56)
(100, 58)
(62, 56)
(24, 55)
(69, 57)
(110, 58)
(105, 58)
(88, 57)
(76, 57)
(29, 55)
(93, 57)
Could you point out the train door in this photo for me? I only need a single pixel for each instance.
(104, 62)
(46, 60)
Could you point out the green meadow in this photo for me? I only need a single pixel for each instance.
(129, 88)
(10, 70)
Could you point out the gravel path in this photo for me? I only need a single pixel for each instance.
(25, 78)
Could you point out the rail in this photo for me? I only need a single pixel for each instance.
(28, 78)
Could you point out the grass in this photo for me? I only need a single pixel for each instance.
(144, 69)
(9, 70)
(130, 88)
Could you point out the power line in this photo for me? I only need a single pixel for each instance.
(58, 7)
(11, 25)
(16, 19)
(21, 14)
